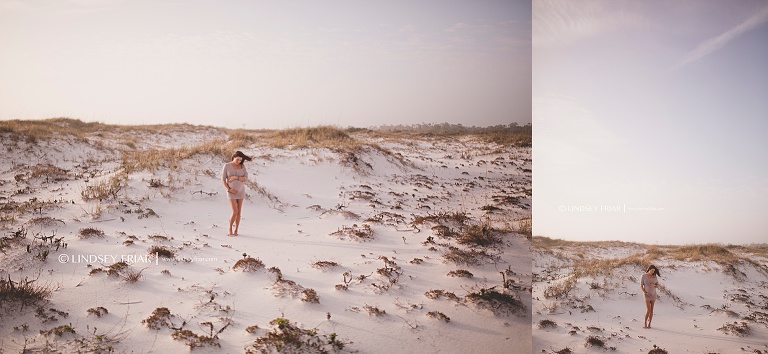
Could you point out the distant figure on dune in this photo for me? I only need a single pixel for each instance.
(648, 283)
(234, 175)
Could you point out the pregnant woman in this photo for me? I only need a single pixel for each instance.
(234, 175)
(648, 283)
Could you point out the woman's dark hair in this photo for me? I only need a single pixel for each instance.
(655, 270)
(239, 153)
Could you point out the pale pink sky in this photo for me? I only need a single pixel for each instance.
(654, 105)
(267, 64)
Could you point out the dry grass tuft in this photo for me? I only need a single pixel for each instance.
(289, 337)
(24, 292)
(374, 311)
(89, 232)
(468, 256)
(248, 264)
(594, 341)
(498, 302)
(478, 235)
(561, 289)
(358, 233)
(153, 159)
(324, 264)
(240, 137)
(161, 251)
(508, 135)
(316, 137)
(547, 324)
(98, 311)
(310, 295)
(45, 221)
(524, 227)
(160, 317)
(435, 294)
(132, 276)
(461, 273)
(59, 331)
(50, 172)
(193, 340)
(739, 329)
(105, 188)
(606, 266)
(707, 252)
(114, 269)
(550, 244)
(441, 218)
(439, 315)
(34, 131)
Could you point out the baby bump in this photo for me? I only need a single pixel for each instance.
(237, 185)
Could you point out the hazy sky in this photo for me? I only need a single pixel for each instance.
(661, 105)
(267, 64)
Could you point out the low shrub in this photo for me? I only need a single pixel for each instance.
(89, 232)
(24, 292)
(461, 273)
(98, 311)
(438, 315)
(547, 324)
(496, 301)
(324, 264)
(468, 256)
(161, 251)
(289, 337)
(160, 317)
(248, 264)
(310, 295)
(435, 294)
(594, 341)
(375, 311)
(194, 340)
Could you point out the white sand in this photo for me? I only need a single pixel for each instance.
(700, 299)
(281, 228)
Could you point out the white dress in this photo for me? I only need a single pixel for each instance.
(648, 284)
(230, 170)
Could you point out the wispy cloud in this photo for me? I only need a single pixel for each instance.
(713, 44)
(564, 21)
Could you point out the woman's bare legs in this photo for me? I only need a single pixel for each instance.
(239, 209)
(650, 318)
(648, 313)
(236, 205)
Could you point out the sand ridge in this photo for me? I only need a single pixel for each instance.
(587, 297)
(350, 242)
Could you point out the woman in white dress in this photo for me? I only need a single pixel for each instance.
(648, 283)
(234, 175)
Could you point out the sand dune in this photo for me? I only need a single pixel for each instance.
(587, 298)
(378, 244)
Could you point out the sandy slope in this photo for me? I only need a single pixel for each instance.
(305, 196)
(700, 301)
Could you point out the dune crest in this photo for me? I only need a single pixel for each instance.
(119, 232)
